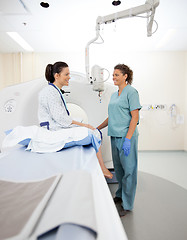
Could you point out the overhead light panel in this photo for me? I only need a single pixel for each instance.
(17, 38)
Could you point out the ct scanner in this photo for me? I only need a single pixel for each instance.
(18, 106)
(81, 200)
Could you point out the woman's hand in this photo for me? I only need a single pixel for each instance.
(83, 124)
(126, 146)
(103, 124)
(89, 126)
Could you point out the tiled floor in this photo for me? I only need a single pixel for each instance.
(160, 209)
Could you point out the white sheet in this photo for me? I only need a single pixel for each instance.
(43, 140)
(36, 165)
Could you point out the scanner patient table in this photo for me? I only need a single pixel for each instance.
(81, 197)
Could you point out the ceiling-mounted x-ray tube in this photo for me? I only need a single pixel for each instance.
(149, 8)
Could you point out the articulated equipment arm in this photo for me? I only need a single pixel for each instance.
(149, 8)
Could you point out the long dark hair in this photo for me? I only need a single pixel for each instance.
(51, 69)
(125, 70)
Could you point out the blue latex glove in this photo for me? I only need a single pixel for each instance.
(126, 146)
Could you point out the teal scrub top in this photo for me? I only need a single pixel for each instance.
(119, 111)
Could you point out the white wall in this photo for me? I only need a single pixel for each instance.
(185, 132)
(17, 67)
(160, 78)
(10, 69)
(1, 71)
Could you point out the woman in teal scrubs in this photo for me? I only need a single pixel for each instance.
(123, 117)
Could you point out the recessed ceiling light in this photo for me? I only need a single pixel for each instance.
(44, 4)
(116, 3)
